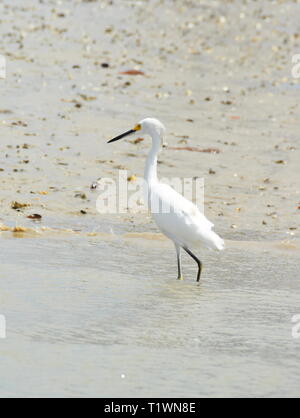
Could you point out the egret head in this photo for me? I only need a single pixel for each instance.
(151, 126)
(148, 126)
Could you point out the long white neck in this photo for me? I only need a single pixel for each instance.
(150, 174)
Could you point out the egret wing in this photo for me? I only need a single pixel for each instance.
(174, 202)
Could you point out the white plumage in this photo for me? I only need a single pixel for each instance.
(178, 218)
(184, 223)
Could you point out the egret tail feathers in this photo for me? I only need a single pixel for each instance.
(215, 242)
(219, 242)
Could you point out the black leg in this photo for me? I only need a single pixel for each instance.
(197, 261)
(178, 262)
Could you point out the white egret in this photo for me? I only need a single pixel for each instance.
(183, 223)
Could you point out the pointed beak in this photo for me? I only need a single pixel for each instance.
(131, 131)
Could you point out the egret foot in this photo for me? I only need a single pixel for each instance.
(180, 278)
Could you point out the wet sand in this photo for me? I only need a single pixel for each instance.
(91, 301)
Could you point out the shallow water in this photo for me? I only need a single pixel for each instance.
(107, 317)
(104, 315)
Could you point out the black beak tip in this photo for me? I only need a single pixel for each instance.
(131, 131)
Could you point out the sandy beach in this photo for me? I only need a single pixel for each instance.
(91, 301)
